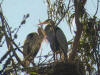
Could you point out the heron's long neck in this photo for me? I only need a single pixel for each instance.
(41, 34)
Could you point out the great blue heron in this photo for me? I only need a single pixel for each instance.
(32, 45)
(56, 37)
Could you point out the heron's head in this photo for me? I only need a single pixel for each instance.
(47, 22)
(41, 31)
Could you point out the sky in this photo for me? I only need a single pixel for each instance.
(14, 10)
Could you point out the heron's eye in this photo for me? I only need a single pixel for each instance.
(49, 22)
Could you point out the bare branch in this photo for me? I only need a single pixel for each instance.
(97, 7)
(78, 33)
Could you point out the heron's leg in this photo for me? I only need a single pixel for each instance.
(65, 55)
(54, 56)
(60, 55)
(33, 63)
(26, 63)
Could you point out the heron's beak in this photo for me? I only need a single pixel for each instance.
(43, 23)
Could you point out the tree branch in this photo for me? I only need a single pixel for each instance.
(79, 26)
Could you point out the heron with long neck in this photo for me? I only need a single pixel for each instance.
(56, 37)
(32, 45)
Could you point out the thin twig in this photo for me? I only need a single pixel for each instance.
(97, 7)
(64, 13)
(4, 56)
(40, 57)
